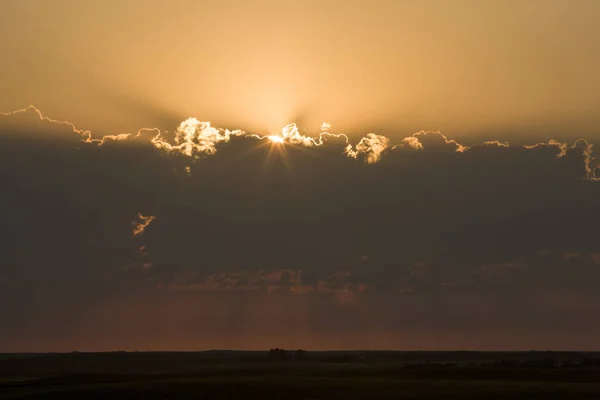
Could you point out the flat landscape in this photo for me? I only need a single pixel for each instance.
(301, 375)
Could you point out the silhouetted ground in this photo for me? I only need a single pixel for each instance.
(307, 375)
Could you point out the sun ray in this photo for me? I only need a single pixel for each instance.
(277, 148)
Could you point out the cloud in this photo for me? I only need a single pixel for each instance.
(371, 146)
(411, 142)
(199, 138)
(29, 121)
(587, 150)
(195, 137)
(458, 147)
(339, 284)
(417, 224)
(141, 223)
(31, 114)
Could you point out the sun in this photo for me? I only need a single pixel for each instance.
(276, 139)
(276, 149)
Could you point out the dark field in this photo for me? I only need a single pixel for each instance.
(308, 375)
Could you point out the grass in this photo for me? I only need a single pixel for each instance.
(210, 376)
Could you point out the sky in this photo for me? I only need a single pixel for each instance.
(191, 175)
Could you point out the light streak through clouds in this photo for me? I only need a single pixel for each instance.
(195, 138)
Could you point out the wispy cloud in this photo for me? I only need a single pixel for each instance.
(141, 223)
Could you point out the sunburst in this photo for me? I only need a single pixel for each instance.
(277, 148)
(276, 139)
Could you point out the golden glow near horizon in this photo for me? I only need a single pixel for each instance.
(195, 138)
(525, 70)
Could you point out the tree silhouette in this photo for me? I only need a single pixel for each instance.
(282, 354)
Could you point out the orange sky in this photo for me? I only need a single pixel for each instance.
(468, 68)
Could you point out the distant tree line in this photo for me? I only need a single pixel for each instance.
(282, 354)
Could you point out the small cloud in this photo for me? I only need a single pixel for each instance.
(141, 223)
(411, 142)
(459, 148)
(563, 148)
(370, 146)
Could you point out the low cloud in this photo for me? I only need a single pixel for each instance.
(195, 138)
(416, 224)
(371, 146)
(141, 223)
